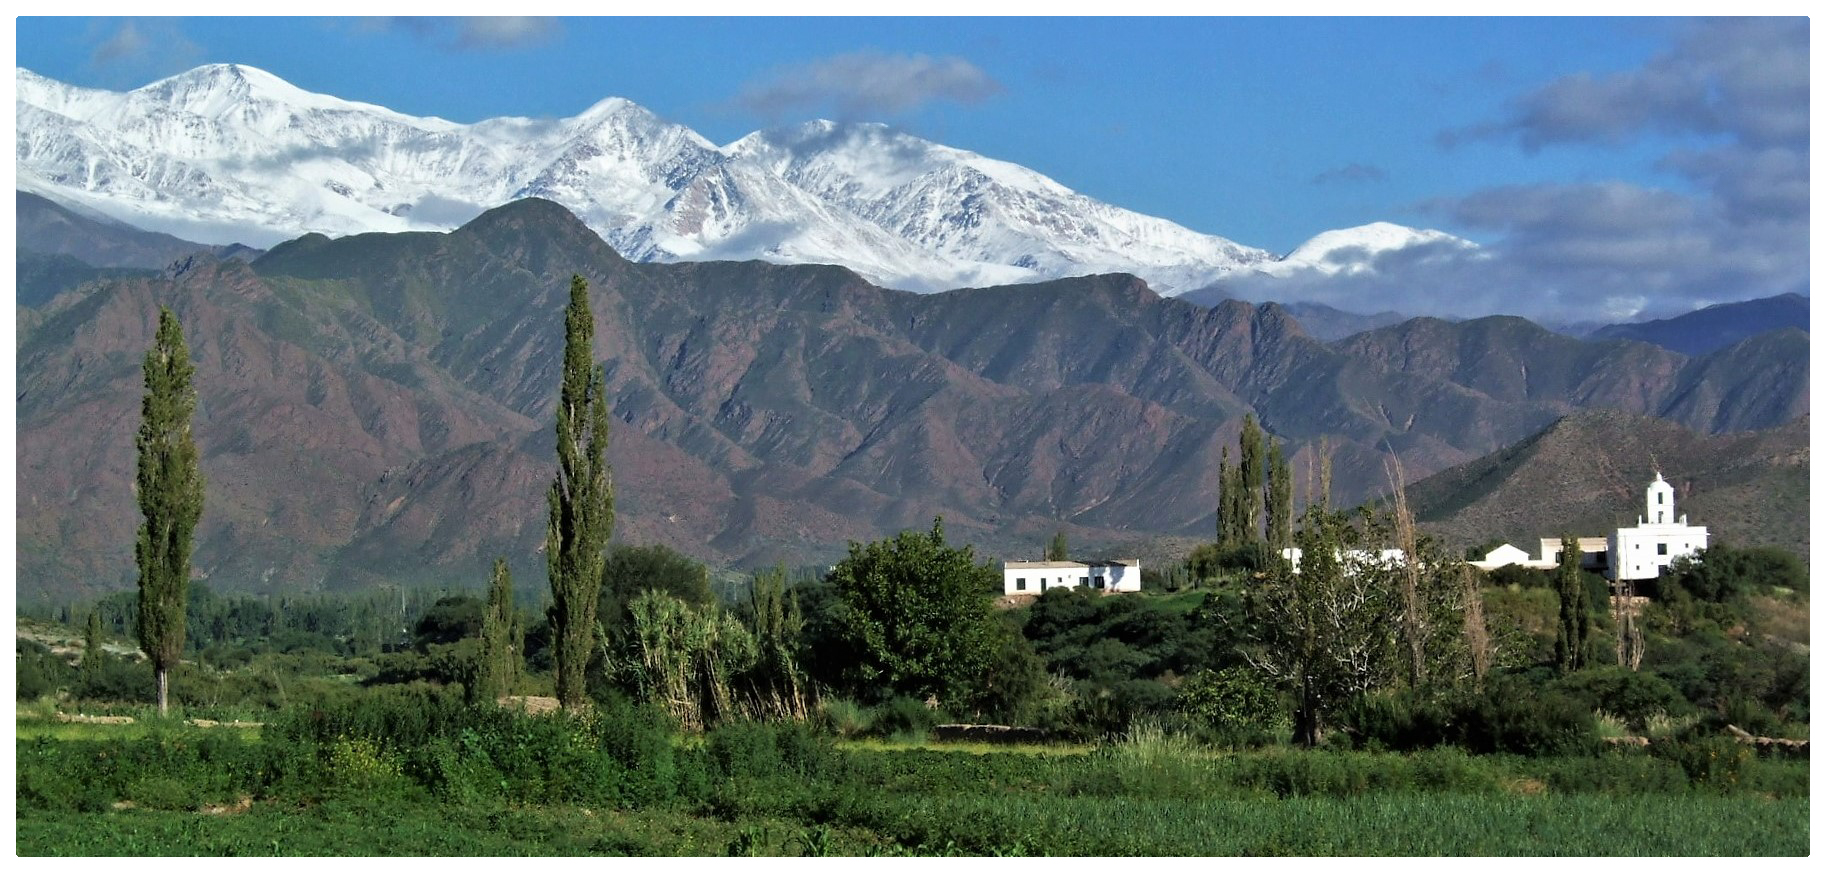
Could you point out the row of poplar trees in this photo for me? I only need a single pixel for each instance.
(581, 502)
(1258, 479)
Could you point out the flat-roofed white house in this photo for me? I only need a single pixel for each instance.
(1034, 577)
(1593, 552)
(1354, 557)
(1657, 539)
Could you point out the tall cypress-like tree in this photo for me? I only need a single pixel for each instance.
(93, 654)
(170, 499)
(1059, 549)
(1571, 647)
(1251, 473)
(1279, 499)
(1226, 501)
(500, 637)
(582, 499)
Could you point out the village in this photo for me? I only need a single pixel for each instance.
(1659, 537)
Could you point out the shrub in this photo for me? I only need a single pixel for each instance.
(1631, 696)
(1234, 705)
(753, 749)
(906, 718)
(843, 718)
(40, 672)
(1532, 724)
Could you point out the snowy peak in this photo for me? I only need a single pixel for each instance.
(217, 89)
(1354, 250)
(232, 153)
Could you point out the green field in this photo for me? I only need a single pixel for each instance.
(621, 785)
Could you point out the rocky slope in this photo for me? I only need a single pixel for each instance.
(1587, 472)
(378, 406)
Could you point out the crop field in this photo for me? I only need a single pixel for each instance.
(507, 784)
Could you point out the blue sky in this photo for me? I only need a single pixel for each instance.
(1265, 131)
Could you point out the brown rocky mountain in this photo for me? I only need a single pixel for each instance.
(1587, 472)
(378, 407)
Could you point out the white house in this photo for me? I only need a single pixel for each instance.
(1354, 557)
(1034, 577)
(1657, 539)
(1593, 552)
(1504, 555)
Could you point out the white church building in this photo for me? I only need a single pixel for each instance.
(1657, 539)
(1642, 551)
(1034, 577)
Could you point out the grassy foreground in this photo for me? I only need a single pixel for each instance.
(1374, 825)
(455, 783)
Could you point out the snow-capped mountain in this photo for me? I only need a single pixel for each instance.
(1353, 250)
(228, 153)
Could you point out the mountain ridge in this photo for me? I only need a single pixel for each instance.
(762, 412)
(229, 145)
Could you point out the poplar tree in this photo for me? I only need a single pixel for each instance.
(501, 637)
(1279, 499)
(93, 654)
(1226, 502)
(1573, 641)
(170, 498)
(581, 498)
(1251, 472)
(1059, 549)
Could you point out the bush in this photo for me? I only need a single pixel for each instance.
(904, 717)
(1631, 696)
(843, 718)
(1233, 702)
(1527, 723)
(753, 749)
(116, 679)
(41, 673)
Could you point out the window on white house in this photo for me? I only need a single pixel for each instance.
(1662, 547)
(1020, 584)
(1661, 498)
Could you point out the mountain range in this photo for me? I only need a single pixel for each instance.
(377, 407)
(229, 153)
(1712, 327)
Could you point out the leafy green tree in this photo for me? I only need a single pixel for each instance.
(1058, 549)
(1571, 647)
(450, 620)
(914, 619)
(1233, 700)
(581, 499)
(1337, 627)
(170, 498)
(1203, 563)
(631, 570)
(502, 637)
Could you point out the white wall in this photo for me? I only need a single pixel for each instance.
(1635, 551)
(1120, 578)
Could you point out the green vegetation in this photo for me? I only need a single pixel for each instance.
(582, 500)
(422, 772)
(170, 497)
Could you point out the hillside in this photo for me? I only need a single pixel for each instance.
(378, 406)
(1586, 473)
(1714, 327)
